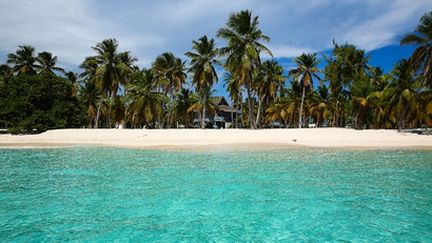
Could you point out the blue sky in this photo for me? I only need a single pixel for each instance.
(147, 28)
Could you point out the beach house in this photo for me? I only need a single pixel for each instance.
(220, 115)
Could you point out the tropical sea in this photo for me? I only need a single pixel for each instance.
(105, 194)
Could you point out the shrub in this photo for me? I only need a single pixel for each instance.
(40, 102)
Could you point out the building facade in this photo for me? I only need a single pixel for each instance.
(220, 115)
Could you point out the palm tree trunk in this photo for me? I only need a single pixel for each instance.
(172, 109)
(168, 119)
(158, 119)
(186, 119)
(90, 123)
(168, 122)
(257, 122)
(336, 115)
(250, 108)
(98, 112)
(232, 117)
(162, 121)
(109, 112)
(236, 115)
(358, 124)
(291, 119)
(401, 121)
(342, 118)
(242, 115)
(239, 101)
(301, 107)
(203, 112)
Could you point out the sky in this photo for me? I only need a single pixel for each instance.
(148, 28)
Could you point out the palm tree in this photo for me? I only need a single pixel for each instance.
(319, 105)
(344, 66)
(363, 97)
(421, 59)
(198, 102)
(362, 87)
(377, 78)
(286, 107)
(235, 92)
(112, 70)
(6, 73)
(90, 67)
(304, 73)
(169, 72)
(108, 72)
(144, 102)
(282, 110)
(424, 99)
(202, 64)
(119, 108)
(90, 95)
(184, 101)
(270, 82)
(127, 68)
(73, 79)
(23, 60)
(89, 75)
(47, 63)
(400, 93)
(243, 51)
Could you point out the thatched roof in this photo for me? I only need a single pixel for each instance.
(222, 104)
(218, 100)
(227, 108)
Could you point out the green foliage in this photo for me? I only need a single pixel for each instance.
(169, 76)
(346, 65)
(185, 99)
(34, 97)
(144, 102)
(23, 60)
(47, 63)
(38, 102)
(202, 68)
(243, 52)
(169, 71)
(304, 73)
(421, 59)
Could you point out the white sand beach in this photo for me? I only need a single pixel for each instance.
(229, 138)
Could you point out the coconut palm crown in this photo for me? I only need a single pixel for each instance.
(243, 51)
(304, 73)
(203, 62)
(23, 61)
(421, 59)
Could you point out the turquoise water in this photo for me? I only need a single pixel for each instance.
(104, 194)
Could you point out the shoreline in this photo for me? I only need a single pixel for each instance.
(222, 139)
(213, 148)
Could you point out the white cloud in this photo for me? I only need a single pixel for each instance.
(385, 28)
(66, 28)
(148, 28)
(289, 51)
(59, 27)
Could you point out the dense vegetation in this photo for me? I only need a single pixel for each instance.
(33, 98)
(112, 89)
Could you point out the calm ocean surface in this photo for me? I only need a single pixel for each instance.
(105, 194)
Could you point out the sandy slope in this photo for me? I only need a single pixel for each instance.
(319, 137)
